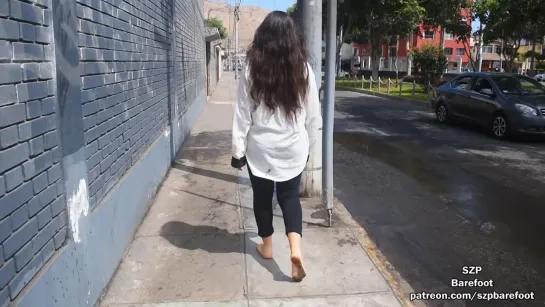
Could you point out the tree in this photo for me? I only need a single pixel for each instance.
(217, 23)
(292, 10)
(430, 62)
(376, 22)
(537, 27)
(539, 58)
(463, 31)
(512, 22)
(446, 14)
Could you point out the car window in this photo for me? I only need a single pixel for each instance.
(481, 84)
(462, 83)
(530, 87)
(519, 85)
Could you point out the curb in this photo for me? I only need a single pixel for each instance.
(417, 103)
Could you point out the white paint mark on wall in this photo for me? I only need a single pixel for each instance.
(78, 206)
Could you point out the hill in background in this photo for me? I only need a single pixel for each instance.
(250, 18)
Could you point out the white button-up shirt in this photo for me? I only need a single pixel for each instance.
(275, 148)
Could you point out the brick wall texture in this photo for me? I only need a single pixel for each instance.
(32, 205)
(137, 56)
(189, 53)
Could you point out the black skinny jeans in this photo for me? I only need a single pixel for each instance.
(287, 194)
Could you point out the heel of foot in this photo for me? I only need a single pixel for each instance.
(298, 271)
(263, 252)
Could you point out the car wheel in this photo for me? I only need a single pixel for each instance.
(500, 127)
(441, 112)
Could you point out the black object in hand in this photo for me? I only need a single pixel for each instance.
(238, 163)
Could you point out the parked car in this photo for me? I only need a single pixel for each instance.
(506, 104)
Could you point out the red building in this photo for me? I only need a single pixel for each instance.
(456, 54)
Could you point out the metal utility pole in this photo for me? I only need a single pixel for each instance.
(311, 23)
(444, 34)
(501, 53)
(237, 10)
(329, 106)
(229, 53)
(229, 58)
(409, 56)
(340, 48)
(532, 67)
(480, 53)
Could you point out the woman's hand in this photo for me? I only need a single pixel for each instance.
(238, 163)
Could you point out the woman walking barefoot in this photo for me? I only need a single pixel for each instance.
(276, 120)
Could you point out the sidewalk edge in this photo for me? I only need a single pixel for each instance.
(394, 280)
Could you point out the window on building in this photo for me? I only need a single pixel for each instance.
(448, 51)
(498, 49)
(488, 49)
(355, 51)
(429, 34)
(393, 51)
(449, 36)
(460, 51)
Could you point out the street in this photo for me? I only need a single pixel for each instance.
(436, 198)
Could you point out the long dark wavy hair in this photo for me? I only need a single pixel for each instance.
(277, 60)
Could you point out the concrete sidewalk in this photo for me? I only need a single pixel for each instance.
(197, 245)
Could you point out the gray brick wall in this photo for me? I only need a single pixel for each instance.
(127, 53)
(32, 209)
(190, 53)
(125, 58)
(124, 62)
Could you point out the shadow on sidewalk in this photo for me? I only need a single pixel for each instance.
(216, 244)
(205, 172)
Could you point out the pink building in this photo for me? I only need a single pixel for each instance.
(455, 51)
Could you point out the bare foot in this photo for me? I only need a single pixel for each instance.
(265, 252)
(297, 269)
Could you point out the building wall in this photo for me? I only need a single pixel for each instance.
(32, 201)
(449, 43)
(96, 97)
(213, 65)
(524, 62)
(419, 40)
(347, 50)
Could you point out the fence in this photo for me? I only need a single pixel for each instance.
(96, 96)
(388, 86)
